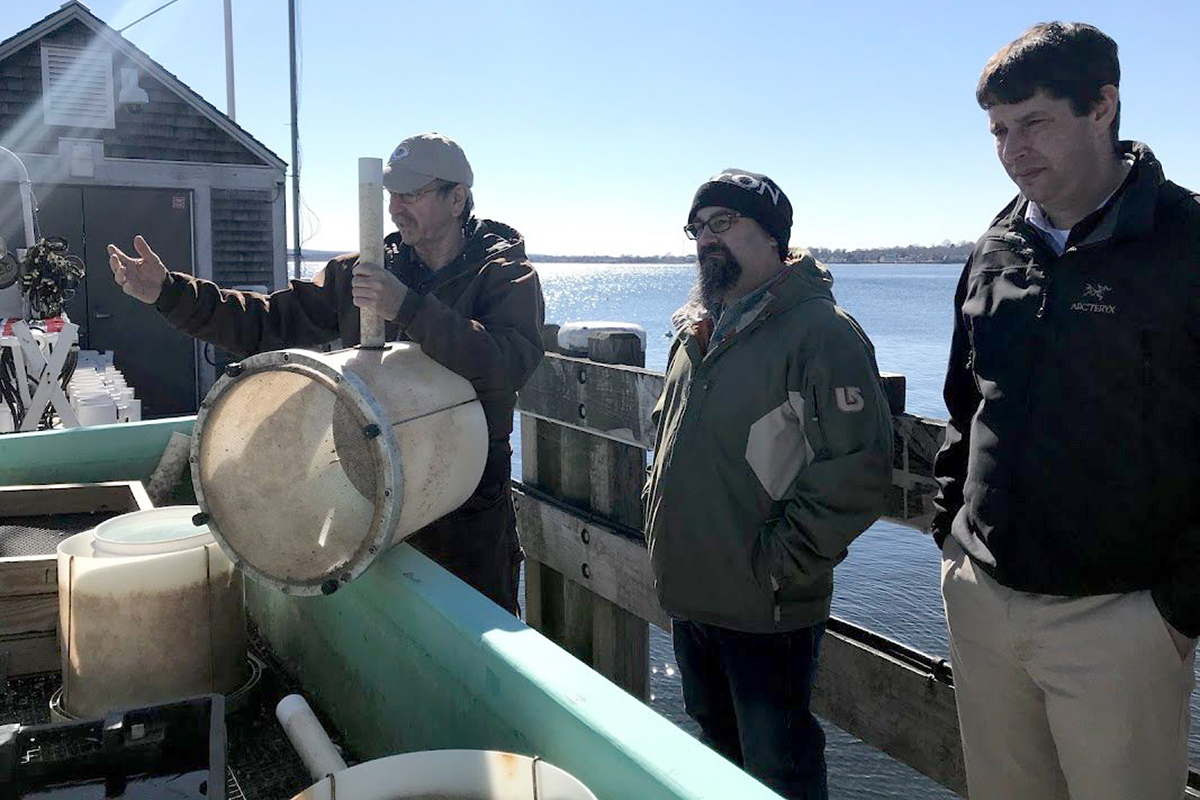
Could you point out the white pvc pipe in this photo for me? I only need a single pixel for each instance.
(370, 238)
(26, 189)
(308, 737)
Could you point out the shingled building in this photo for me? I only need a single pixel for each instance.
(117, 145)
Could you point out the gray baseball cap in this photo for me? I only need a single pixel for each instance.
(422, 158)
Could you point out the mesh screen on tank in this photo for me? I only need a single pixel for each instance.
(289, 476)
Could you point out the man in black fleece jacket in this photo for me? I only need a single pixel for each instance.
(1069, 511)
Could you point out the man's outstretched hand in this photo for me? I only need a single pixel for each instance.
(140, 278)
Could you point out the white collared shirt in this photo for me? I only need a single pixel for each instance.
(1057, 237)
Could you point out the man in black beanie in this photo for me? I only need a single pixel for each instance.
(773, 452)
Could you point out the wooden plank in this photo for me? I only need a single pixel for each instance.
(620, 639)
(28, 653)
(895, 387)
(618, 568)
(29, 614)
(536, 589)
(902, 710)
(606, 400)
(917, 441)
(28, 575)
(72, 498)
(621, 647)
(572, 481)
(614, 401)
(541, 446)
(534, 616)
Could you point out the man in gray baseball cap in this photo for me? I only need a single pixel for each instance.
(420, 159)
(460, 287)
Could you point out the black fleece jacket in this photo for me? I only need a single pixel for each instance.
(1070, 465)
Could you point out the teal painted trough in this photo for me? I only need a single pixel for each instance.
(408, 658)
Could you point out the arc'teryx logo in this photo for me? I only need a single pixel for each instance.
(849, 398)
(1097, 292)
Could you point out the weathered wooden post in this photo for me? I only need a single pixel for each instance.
(620, 640)
(540, 448)
(603, 477)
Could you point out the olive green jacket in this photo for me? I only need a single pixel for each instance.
(773, 453)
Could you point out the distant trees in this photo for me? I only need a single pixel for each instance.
(622, 259)
(946, 252)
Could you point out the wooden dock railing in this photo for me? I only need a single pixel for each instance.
(585, 430)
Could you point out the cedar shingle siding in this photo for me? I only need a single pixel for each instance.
(243, 237)
(165, 129)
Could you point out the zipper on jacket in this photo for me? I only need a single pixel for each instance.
(1147, 376)
(1041, 312)
(1148, 401)
(1147, 372)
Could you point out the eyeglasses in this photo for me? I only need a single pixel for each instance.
(408, 198)
(718, 223)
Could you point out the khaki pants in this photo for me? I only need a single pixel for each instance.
(1059, 697)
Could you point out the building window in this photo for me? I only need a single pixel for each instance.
(77, 87)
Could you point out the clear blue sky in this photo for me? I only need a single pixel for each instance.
(589, 126)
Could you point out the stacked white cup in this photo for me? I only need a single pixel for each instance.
(99, 392)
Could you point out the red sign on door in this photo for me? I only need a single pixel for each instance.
(178, 202)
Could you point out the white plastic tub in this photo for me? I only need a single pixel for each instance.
(150, 609)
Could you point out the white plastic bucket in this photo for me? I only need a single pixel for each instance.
(150, 532)
(459, 774)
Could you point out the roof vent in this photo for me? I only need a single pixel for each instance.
(77, 87)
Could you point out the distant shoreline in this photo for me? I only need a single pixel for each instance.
(911, 254)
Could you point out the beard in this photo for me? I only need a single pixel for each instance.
(718, 272)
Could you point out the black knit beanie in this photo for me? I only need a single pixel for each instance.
(752, 195)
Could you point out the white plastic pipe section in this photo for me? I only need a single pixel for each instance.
(370, 239)
(308, 737)
(26, 189)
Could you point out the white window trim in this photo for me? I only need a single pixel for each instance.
(58, 117)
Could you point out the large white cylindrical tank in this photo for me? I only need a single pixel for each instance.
(150, 609)
(310, 465)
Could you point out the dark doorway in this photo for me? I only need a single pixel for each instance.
(158, 362)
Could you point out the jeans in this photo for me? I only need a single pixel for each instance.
(749, 692)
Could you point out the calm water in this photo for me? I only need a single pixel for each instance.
(889, 582)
